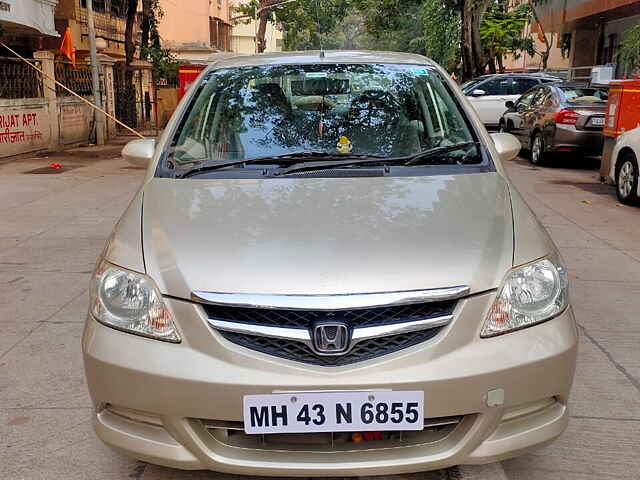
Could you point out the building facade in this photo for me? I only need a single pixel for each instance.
(591, 30)
(196, 29)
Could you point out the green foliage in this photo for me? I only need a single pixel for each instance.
(393, 24)
(502, 29)
(165, 64)
(629, 53)
(300, 21)
(441, 33)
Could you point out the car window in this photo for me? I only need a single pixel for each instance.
(585, 95)
(525, 99)
(495, 86)
(539, 97)
(550, 100)
(467, 87)
(384, 110)
(521, 85)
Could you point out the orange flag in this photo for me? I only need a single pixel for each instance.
(67, 48)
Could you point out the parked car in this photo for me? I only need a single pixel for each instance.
(558, 117)
(489, 93)
(339, 291)
(624, 168)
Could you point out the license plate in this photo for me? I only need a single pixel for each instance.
(597, 121)
(350, 411)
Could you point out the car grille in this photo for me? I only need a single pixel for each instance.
(291, 349)
(232, 434)
(361, 317)
(366, 350)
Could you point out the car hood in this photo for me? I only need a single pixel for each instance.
(327, 235)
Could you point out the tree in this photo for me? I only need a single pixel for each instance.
(302, 20)
(502, 30)
(404, 16)
(441, 31)
(129, 102)
(544, 55)
(629, 53)
(165, 64)
(392, 24)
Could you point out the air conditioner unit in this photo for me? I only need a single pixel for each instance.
(602, 74)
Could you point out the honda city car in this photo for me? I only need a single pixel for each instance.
(326, 272)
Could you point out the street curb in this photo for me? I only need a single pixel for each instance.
(492, 471)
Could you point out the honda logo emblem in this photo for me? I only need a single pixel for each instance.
(330, 338)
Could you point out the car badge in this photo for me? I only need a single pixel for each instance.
(330, 337)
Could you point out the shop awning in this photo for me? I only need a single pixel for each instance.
(28, 17)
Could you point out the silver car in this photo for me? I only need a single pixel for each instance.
(327, 272)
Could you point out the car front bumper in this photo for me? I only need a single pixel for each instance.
(153, 400)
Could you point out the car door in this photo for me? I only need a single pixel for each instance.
(489, 97)
(549, 105)
(531, 115)
(514, 117)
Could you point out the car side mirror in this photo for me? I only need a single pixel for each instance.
(509, 104)
(139, 152)
(506, 145)
(478, 93)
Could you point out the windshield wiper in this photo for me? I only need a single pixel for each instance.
(438, 152)
(375, 160)
(284, 159)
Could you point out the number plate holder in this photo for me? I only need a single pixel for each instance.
(344, 411)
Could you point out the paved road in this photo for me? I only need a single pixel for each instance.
(52, 228)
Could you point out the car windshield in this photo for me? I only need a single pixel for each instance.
(381, 110)
(585, 95)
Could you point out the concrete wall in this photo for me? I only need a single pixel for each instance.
(76, 121)
(25, 126)
(185, 23)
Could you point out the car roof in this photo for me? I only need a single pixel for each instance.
(314, 57)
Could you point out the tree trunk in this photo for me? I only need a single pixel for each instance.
(543, 37)
(264, 8)
(492, 64)
(145, 27)
(130, 50)
(500, 63)
(473, 59)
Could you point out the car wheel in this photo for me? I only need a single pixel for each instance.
(537, 149)
(627, 180)
(502, 128)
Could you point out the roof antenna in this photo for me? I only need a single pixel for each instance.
(319, 28)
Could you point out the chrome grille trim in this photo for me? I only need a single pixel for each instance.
(303, 335)
(239, 426)
(330, 302)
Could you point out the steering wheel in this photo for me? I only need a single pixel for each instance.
(314, 102)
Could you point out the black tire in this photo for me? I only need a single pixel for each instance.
(501, 127)
(627, 179)
(537, 154)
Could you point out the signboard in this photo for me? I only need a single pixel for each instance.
(28, 16)
(23, 130)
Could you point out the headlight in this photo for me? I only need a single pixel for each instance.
(530, 294)
(131, 302)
